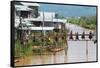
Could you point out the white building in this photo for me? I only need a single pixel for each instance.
(34, 19)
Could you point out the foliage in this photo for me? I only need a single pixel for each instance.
(37, 42)
(17, 48)
(58, 16)
(86, 22)
(21, 50)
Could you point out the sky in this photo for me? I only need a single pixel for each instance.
(68, 10)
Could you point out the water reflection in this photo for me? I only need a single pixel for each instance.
(66, 58)
(86, 51)
(78, 51)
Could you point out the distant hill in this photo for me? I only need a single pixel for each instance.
(69, 10)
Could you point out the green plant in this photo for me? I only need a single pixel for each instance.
(84, 21)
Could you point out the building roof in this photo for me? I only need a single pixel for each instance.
(37, 28)
(30, 4)
(22, 8)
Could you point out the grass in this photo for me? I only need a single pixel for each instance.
(21, 50)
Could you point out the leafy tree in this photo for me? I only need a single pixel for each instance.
(86, 22)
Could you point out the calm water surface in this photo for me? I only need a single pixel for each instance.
(78, 51)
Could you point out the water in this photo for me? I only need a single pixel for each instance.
(78, 51)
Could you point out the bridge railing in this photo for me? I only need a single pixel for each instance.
(81, 36)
